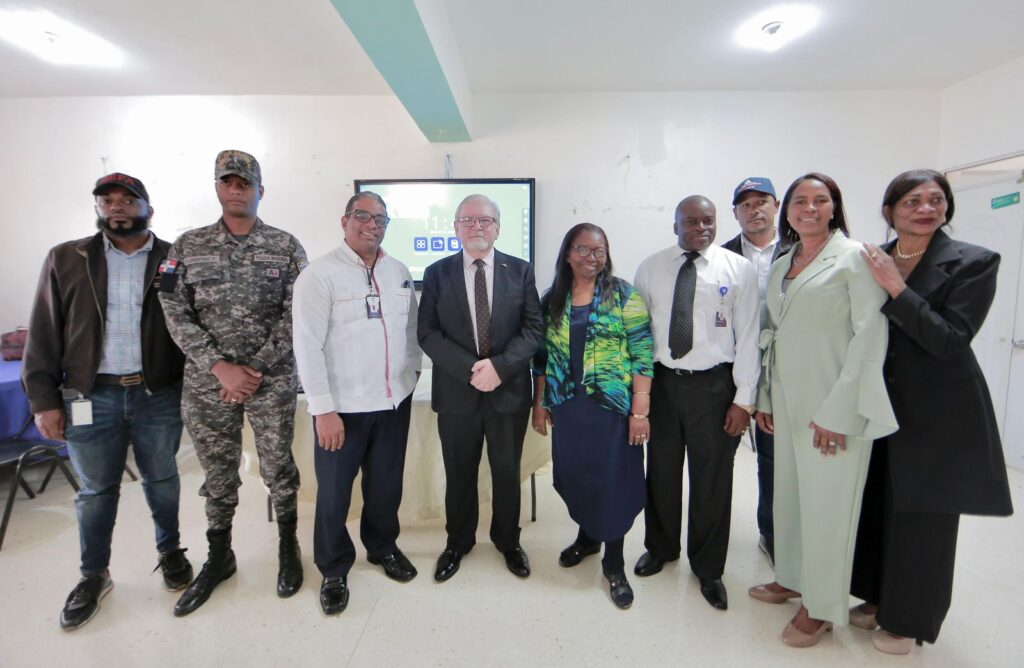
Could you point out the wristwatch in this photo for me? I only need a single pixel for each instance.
(748, 408)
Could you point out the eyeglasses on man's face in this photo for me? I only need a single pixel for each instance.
(587, 251)
(471, 221)
(379, 220)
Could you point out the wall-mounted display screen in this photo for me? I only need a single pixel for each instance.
(422, 212)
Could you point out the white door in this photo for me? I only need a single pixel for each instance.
(999, 345)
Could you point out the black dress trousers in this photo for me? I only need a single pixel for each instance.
(462, 441)
(688, 416)
(375, 444)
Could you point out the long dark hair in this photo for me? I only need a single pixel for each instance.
(906, 182)
(554, 301)
(838, 221)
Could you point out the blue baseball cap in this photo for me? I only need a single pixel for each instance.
(757, 184)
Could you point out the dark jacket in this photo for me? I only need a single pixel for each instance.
(736, 246)
(65, 335)
(445, 332)
(947, 456)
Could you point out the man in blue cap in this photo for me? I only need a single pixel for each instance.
(755, 206)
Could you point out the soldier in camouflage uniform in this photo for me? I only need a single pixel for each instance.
(227, 294)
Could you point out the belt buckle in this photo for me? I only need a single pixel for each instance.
(131, 381)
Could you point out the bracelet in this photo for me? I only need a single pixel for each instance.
(638, 417)
(640, 392)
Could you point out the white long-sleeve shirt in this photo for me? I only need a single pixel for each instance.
(348, 362)
(725, 313)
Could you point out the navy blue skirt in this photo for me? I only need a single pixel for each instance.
(596, 472)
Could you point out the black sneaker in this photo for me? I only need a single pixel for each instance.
(176, 569)
(84, 600)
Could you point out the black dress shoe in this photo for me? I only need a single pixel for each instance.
(447, 564)
(648, 564)
(618, 586)
(334, 595)
(396, 566)
(574, 554)
(714, 593)
(517, 561)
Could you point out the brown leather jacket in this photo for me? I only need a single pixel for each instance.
(65, 335)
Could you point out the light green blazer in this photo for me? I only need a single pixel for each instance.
(825, 341)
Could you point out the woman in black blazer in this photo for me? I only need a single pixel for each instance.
(947, 458)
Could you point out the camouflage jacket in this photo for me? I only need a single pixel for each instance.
(230, 299)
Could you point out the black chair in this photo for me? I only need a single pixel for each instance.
(22, 453)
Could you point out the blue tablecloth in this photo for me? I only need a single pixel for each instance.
(14, 408)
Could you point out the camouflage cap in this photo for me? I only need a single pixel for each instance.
(129, 183)
(239, 163)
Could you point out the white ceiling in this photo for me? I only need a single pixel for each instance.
(303, 47)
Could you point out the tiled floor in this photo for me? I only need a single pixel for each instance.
(484, 616)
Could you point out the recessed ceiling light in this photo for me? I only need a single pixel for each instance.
(55, 40)
(775, 27)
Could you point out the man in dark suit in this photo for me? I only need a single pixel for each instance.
(480, 323)
(755, 206)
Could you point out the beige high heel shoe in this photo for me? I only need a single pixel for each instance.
(765, 595)
(862, 619)
(891, 644)
(794, 637)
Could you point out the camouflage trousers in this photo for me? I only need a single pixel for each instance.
(216, 431)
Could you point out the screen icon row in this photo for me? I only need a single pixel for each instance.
(436, 244)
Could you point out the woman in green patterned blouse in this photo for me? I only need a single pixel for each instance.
(592, 382)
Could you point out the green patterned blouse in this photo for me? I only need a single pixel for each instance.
(618, 346)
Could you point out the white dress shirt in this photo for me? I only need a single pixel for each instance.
(348, 362)
(470, 272)
(726, 290)
(761, 258)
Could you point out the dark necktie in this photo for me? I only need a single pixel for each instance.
(680, 329)
(483, 311)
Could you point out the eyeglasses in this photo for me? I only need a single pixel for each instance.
(586, 251)
(482, 221)
(108, 202)
(379, 220)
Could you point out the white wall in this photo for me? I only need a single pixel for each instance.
(981, 116)
(621, 161)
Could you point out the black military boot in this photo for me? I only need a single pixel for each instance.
(219, 566)
(289, 574)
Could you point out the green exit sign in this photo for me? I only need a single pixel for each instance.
(1006, 200)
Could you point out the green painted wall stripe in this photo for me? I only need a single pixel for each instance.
(392, 34)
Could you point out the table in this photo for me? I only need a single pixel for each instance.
(424, 481)
(14, 409)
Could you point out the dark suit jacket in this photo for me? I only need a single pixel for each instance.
(445, 331)
(736, 246)
(946, 456)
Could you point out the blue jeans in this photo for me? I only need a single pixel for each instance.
(151, 423)
(765, 446)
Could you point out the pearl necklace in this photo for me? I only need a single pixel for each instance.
(901, 256)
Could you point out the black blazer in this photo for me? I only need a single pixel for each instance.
(947, 456)
(445, 332)
(736, 246)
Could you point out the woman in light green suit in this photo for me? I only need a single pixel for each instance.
(823, 395)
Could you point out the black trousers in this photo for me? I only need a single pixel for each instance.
(903, 562)
(688, 416)
(462, 442)
(374, 444)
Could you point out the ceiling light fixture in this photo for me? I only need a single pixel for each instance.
(55, 40)
(775, 27)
